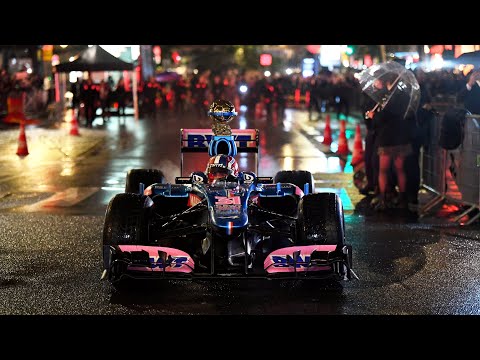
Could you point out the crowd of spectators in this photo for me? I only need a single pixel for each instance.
(336, 91)
(36, 96)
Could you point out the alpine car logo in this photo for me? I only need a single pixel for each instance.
(248, 178)
(197, 178)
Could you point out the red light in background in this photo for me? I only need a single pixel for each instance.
(55, 59)
(313, 49)
(157, 54)
(457, 51)
(436, 49)
(297, 96)
(176, 57)
(265, 59)
(138, 74)
(126, 80)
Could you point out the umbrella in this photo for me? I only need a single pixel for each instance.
(469, 58)
(392, 86)
(167, 76)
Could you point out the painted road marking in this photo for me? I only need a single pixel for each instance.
(5, 194)
(66, 198)
(43, 165)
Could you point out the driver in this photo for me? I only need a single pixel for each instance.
(220, 167)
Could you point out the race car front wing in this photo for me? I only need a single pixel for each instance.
(295, 262)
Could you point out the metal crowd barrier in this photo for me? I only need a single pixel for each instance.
(468, 170)
(432, 165)
(453, 175)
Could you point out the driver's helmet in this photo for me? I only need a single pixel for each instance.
(221, 166)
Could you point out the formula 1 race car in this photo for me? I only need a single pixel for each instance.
(222, 222)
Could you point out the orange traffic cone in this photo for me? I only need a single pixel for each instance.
(327, 136)
(74, 124)
(342, 140)
(22, 149)
(237, 104)
(342, 126)
(297, 97)
(307, 99)
(357, 147)
(275, 114)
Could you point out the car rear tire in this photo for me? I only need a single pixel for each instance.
(321, 220)
(296, 177)
(145, 176)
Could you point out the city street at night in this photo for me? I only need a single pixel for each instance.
(173, 180)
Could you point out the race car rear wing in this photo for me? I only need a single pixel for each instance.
(197, 140)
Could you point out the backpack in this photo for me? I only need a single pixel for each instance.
(451, 130)
(423, 128)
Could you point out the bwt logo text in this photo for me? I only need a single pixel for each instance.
(197, 140)
(281, 261)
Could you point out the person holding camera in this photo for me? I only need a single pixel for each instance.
(470, 94)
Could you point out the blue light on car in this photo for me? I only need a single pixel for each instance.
(306, 188)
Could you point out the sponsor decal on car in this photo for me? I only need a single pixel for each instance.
(227, 205)
(197, 178)
(203, 140)
(248, 178)
(282, 261)
(200, 138)
(177, 261)
(227, 200)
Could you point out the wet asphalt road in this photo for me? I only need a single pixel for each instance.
(51, 256)
(51, 265)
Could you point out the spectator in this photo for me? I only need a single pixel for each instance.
(121, 95)
(393, 133)
(149, 96)
(470, 94)
(89, 97)
(419, 129)
(104, 95)
(370, 154)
